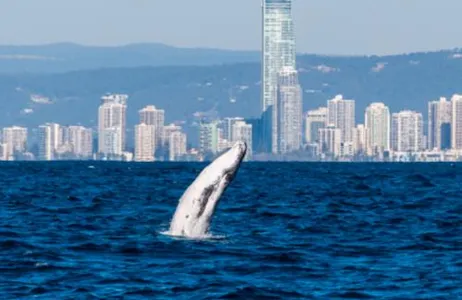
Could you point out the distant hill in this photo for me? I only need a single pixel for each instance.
(185, 92)
(65, 57)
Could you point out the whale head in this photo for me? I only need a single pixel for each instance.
(196, 207)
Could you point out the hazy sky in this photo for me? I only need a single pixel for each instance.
(323, 26)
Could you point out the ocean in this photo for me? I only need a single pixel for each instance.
(95, 230)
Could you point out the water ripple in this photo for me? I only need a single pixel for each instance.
(282, 231)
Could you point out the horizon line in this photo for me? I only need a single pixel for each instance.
(160, 44)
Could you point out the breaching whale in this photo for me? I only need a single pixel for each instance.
(197, 205)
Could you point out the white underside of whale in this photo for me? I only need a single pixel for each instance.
(197, 206)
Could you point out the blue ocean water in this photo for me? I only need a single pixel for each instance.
(89, 230)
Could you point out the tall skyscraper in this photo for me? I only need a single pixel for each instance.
(456, 126)
(150, 115)
(315, 120)
(278, 51)
(377, 122)
(341, 114)
(289, 113)
(15, 141)
(439, 119)
(407, 131)
(243, 132)
(111, 121)
(144, 143)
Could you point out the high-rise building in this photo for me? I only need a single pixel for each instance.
(315, 120)
(150, 115)
(360, 138)
(439, 119)
(112, 119)
(166, 139)
(44, 144)
(15, 141)
(112, 142)
(407, 131)
(144, 143)
(50, 140)
(223, 143)
(341, 114)
(56, 136)
(278, 51)
(208, 138)
(243, 132)
(80, 140)
(228, 127)
(114, 98)
(377, 122)
(3, 153)
(289, 112)
(456, 126)
(177, 145)
(330, 141)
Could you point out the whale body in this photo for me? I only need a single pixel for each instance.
(196, 207)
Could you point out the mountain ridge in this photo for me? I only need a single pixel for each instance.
(67, 56)
(406, 81)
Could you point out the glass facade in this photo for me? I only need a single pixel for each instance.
(278, 52)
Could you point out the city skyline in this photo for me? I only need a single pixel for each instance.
(330, 133)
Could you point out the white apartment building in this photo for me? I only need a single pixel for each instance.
(341, 114)
(360, 138)
(112, 141)
(315, 120)
(112, 115)
(81, 141)
(330, 141)
(45, 146)
(150, 115)
(456, 126)
(377, 121)
(15, 141)
(177, 145)
(407, 131)
(144, 143)
(439, 124)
